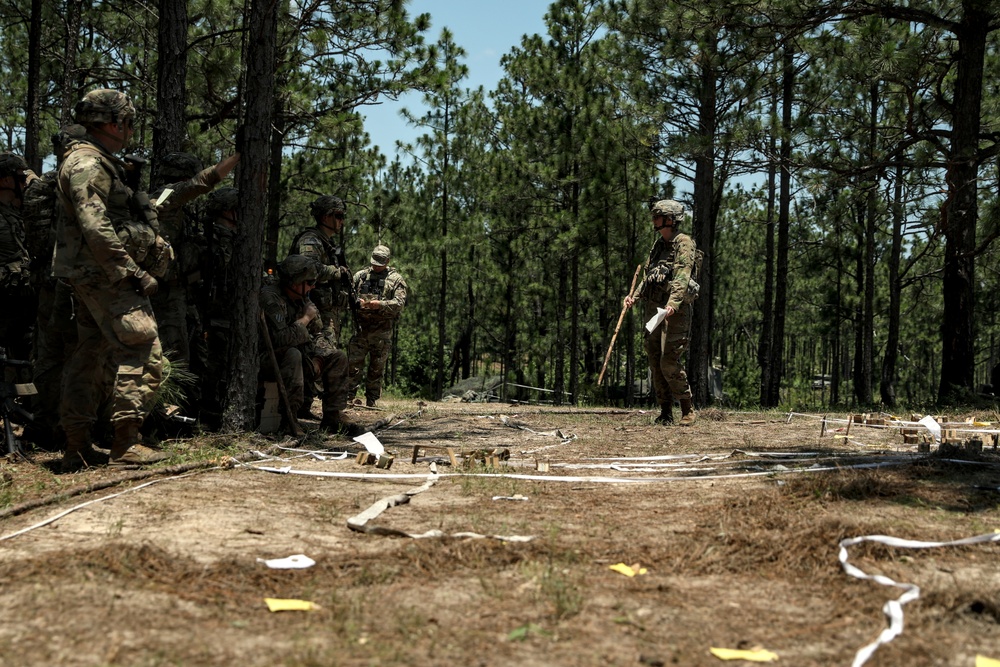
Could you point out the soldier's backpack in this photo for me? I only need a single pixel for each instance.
(39, 214)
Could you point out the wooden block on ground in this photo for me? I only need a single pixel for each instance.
(384, 462)
(366, 459)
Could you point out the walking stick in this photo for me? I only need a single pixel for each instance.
(293, 423)
(621, 317)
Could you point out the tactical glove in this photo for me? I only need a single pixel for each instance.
(145, 284)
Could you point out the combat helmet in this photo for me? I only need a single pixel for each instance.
(326, 204)
(177, 167)
(103, 106)
(297, 268)
(12, 164)
(221, 200)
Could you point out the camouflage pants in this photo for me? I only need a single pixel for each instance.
(170, 307)
(55, 339)
(664, 348)
(328, 364)
(114, 325)
(375, 346)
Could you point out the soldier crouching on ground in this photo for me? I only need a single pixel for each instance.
(295, 328)
(111, 290)
(381, 293)
(669, 285)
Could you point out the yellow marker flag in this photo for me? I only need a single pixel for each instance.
(757, 655)
(983, 661)
(278, 604)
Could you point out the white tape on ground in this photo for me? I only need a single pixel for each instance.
(893, 609)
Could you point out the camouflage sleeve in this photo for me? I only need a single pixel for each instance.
(683, 267)
(312, 247)
(359, 279)
(187, 191)
(395, 290)
(285, 331)
(87, 185)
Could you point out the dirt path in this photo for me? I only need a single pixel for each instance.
(738, 532)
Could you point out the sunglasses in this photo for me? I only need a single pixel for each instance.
(339, 216)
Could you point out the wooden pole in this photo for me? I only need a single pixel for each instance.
(293, 423)
(611, 347)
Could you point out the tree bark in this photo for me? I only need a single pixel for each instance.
(170, 127)
(32, 109)
(258, 88)
(960, 211)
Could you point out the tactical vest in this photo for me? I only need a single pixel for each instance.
(132, 217)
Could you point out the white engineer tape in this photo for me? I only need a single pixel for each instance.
(893, 609)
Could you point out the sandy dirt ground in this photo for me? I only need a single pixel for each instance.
(735, 526)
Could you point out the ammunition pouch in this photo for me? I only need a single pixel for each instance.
(692, 291)
(149, 250)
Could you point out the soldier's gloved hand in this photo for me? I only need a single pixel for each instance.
(145, 284)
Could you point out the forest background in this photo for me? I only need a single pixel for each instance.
(861, 271)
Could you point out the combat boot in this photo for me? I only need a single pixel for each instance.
(666, 415)
(79, 452)
(688, 415)
(127, 448)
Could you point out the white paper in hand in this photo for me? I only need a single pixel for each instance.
(655, 320)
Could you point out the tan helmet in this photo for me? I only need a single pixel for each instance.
(669, 208)
(103, 106)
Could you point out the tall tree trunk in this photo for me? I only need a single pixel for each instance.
(273, 224)
(784, 221)
(170, 127)
(767, 310)
(32, 108)
(887, 387)
(443, 300)
(959, 213)
(699, 353)
(70, 84)
(258, 87)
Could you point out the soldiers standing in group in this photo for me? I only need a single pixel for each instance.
(111, 283)
(381, 293)
(320, 242)
(210, 361)
(18, 313)
(669, 285)
(294, 327)
(183, 176)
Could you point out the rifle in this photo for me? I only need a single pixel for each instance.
(621, 317)
(293, 422)
(9, 407)
(348, 285)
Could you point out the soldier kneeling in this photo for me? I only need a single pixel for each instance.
(303, 353)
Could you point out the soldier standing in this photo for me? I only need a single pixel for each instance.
(110, 288)
(381, 293)
(183, 176)
(320, 243)
(295, 328)
(669, 285)
(15, 289)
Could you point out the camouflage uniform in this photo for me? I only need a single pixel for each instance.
(210, 355)
(374, 338)
(104, 236)
(170, 303)
(17, 315)
(329, 296)
(302, 352)
(669, 270)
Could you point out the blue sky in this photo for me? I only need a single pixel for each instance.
(485, 29)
